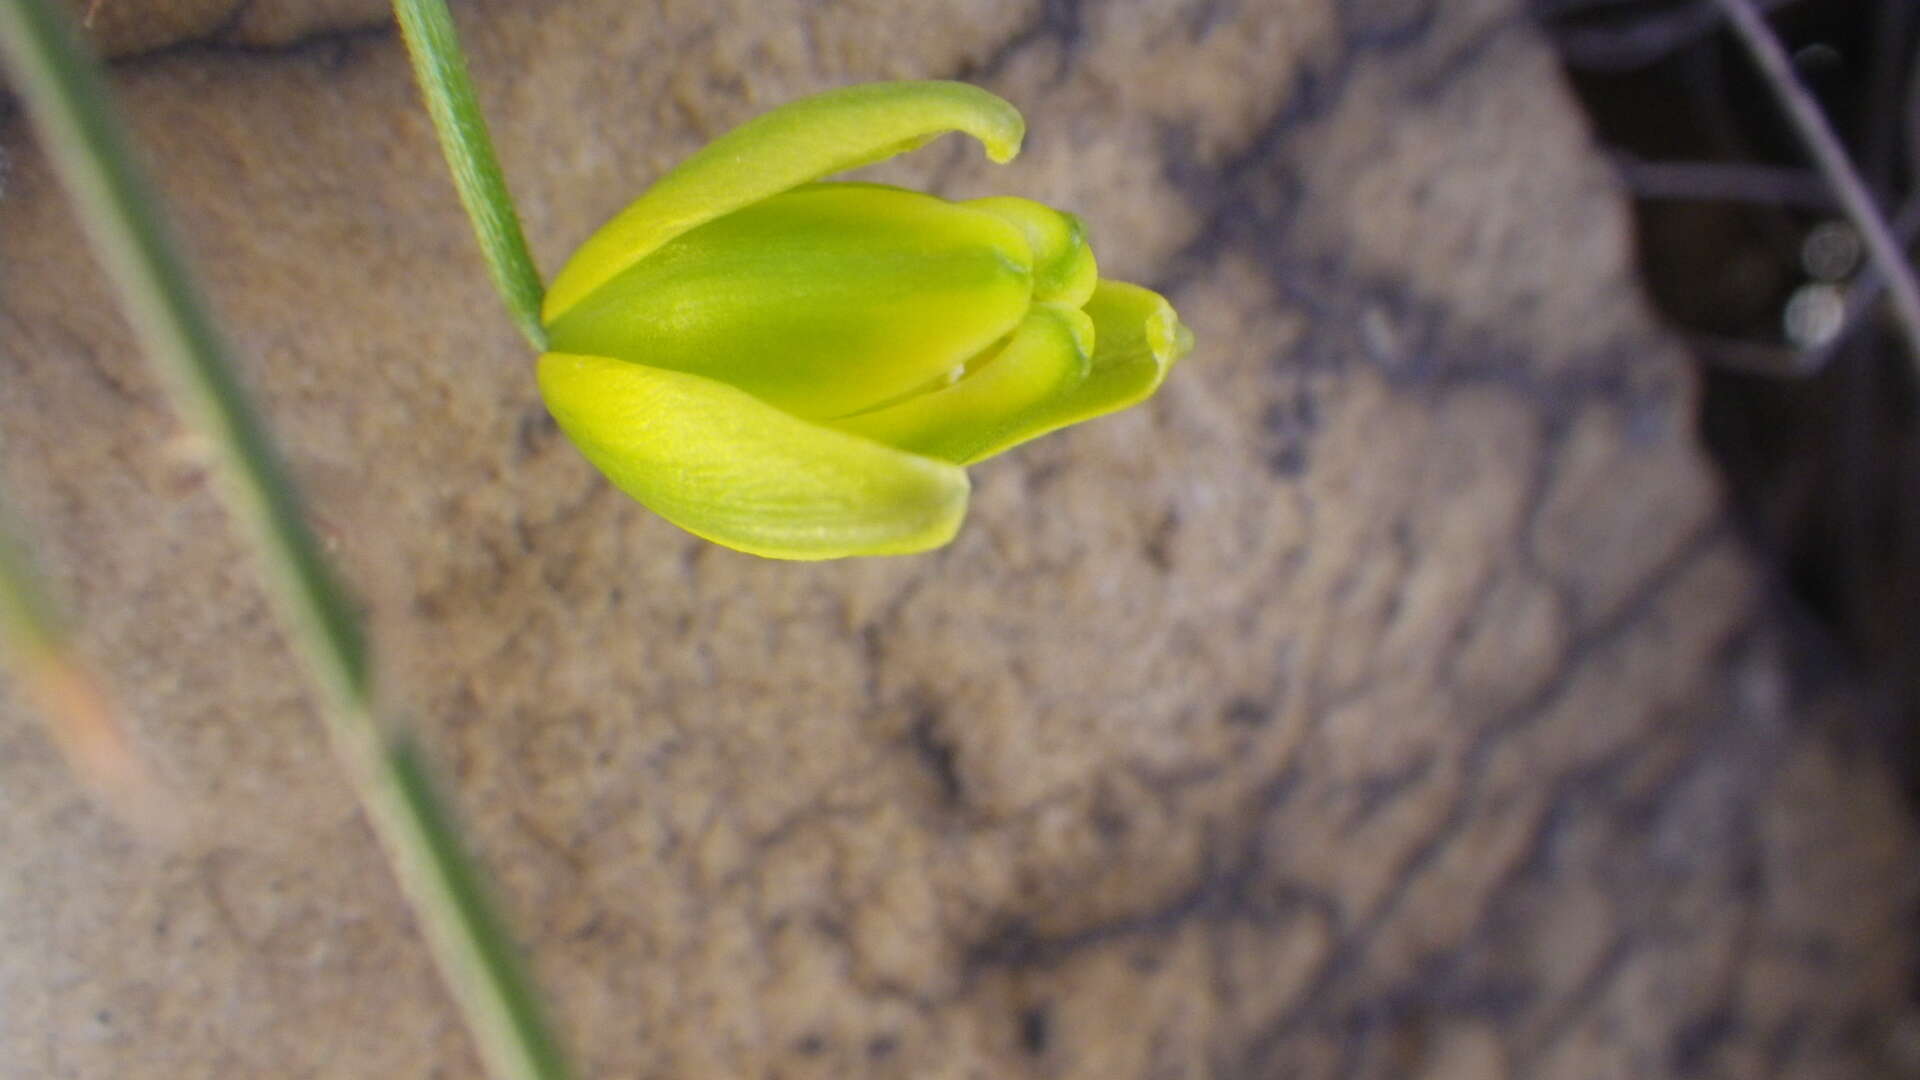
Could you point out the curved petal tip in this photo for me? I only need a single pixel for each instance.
(798, 142)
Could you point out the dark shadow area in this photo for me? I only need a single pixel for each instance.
(1809, 401)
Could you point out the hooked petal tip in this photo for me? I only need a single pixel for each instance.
(798, 142)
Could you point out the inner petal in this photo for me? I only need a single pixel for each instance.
(1063, 266)
(992, 406)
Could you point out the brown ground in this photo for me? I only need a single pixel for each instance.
(1390, 698)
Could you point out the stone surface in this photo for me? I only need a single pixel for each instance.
(122, 28)
(1391, 697)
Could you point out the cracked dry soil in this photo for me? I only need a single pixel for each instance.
(1391, 698)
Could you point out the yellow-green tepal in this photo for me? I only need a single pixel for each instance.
(801, 369)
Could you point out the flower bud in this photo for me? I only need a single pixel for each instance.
(800, 369)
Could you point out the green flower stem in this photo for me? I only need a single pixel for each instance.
(441, 70)
(65, 94)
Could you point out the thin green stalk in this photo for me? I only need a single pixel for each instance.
(441, 70)
(65, 94)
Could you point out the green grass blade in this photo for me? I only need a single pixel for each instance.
(441, 70)
(65, 94)
(514, 1016)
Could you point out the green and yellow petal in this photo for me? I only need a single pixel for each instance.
(796, 143)
(1137, 337)
(824, 300)
(1064, 271)
(726, 466)
(994, 406)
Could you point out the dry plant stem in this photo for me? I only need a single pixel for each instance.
(65, 94)
(441, 70)
(70, 695)
(29, 627)
(1638, 41)
(1722, 181)
(1827, 152)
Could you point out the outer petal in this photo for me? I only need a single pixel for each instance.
(1137, 337)
(801, 141)
(724, 465)
(991, 408)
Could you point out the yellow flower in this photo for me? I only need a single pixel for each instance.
(800, 369)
